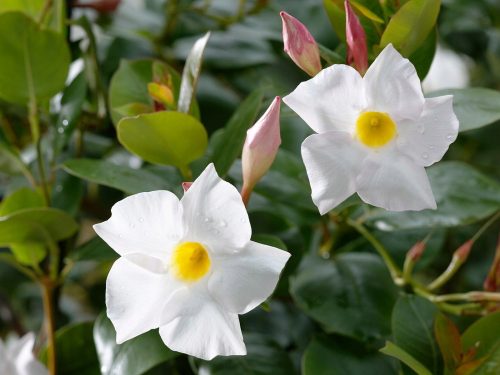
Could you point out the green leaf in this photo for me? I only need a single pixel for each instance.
(128, 90)
(328, 355)
(422, 58)
(483, 335)
(366, 12)
(10, 161)
(168, 138)
(351, 294)
(396, 352)
(119, 177)
(475, 107)
(28, 253)
(34, 62)
(20, 199)
(227, 147)
(463, 196)
(412, 329)
(448, 339)
(76, 353)
(95, 249)
(67, 193)
(264, 356)
(133, 357)
(411, 25)
(30, 7)
(191, 73)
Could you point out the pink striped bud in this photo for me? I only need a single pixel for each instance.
(300, 45)
(186, 186)
(357, 51)
(260, 148)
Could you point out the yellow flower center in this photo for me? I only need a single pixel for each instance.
(190, 261)
(375, 129)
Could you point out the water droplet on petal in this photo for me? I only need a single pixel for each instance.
(431, 147)
(141, 219)
(425, 155)
(243, 220)
(223, 223)
(206, 219)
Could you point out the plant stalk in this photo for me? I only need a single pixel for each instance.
(49, 323)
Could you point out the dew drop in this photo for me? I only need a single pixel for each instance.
(223, 224)
(450, 137)
(141, 219)
(431, 147)
(65, 122)
(243, 220)
(425, 155)
(60, 130)
(206, 219)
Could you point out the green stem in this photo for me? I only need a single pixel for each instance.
(37, 139)
(384, 254)
(49, 321)
(451, 270)
(485, 226)
(469, 296)
(45, 11)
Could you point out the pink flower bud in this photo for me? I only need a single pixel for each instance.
(300, 45)
(416, 251)
(357, 52)
(260, 148)
(102, 6)
(462, 253)
(186, 186)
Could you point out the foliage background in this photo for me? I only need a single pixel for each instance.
(336, 304)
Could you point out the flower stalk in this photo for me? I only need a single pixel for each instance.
(49, 323)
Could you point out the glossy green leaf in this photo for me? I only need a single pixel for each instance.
(422, 58)
(483, 335)
(30, 7)
(366, 12)
(334, 355)
(26, 240)
(411, 25)
(475, 107)
(167, 138)
(395, 351)
(118, 177)
(463, 195)
(191, 73)
(412, 329)
(10, 161)
(133, 357)
(34, 62)
(448, 339)
(264, 356)
(95, 249)
(76, 352)
(67, 193)
(227, 147)
(351, 294)
(128, 91)
(20, 199)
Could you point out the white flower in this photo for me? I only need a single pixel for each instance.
(187, 267)
(16, 357)
(375, 134)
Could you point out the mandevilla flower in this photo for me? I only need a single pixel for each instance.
(300, 45)
(375, 134)
(188, 267)
(260, 148)
(16, 357)
(357, 51)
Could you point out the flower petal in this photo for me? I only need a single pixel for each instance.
(23, 358)
(200, 327)
(148, 223)
(215, 213)
(243, 280)
(332, 160)
(134, 297)
(427, 139)
(332, 100)
(394, 182)
(392, 86)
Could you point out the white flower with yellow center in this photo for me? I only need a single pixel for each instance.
(16, 357)
(188, 267)
(375, 134)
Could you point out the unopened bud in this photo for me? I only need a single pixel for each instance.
(416, 251)
(300, 45)
(357, 51)
(492, 282)
(161, 94)
(463, 251)
(260, 148)
(186, 186)
(102, 6)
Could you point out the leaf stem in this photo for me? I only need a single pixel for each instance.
(485, 226)
(381, 250)
(45, 11)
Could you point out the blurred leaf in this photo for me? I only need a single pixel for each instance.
(411, 25)
(67, 193)
(34, 62)
(227, 147)
(270, 240)
(422, 58)
(463, 196)
(128, 90)
(412, 329)
(396, 352)
(475, 107)
(191, 73)
(482, 336)
(76, 353)
(26, 240)
(328, 355)
(264, 356)
(448, 339)
(366, 12)
(133, 357)
(119, 177)
(71, 107)
(94, 249)
(168, 138)
(30, 7)
(10, 161)
(20, 199)
(351, 294)
(336, 13)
